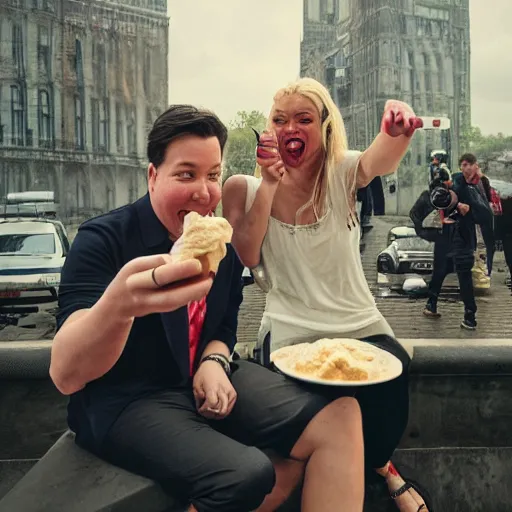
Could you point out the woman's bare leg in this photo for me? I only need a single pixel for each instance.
(332, 447)
(289, 474)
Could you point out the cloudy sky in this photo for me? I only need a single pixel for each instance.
(231, 55)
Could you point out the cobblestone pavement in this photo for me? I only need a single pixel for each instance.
(405, 314)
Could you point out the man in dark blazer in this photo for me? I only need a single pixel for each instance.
(144, 348)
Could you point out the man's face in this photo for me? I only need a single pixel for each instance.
(471, 171)
(189, 179)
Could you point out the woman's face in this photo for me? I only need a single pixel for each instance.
(298, 127)
(187, 180)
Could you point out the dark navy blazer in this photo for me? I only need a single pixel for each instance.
(156, 355)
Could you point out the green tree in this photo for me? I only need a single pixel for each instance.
(240, 150)
(484, 146)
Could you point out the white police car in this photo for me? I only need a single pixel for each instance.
(33, 248)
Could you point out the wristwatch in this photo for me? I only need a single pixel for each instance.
(221, 359)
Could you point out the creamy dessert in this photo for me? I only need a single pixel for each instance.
(328, 359)
(205, 239)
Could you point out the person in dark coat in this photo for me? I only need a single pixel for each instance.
(453, 252)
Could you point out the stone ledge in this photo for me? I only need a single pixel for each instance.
(462, 360)
(25, 359)
(31, 359)
(70, 479)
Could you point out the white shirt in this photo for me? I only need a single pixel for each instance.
(313, 274)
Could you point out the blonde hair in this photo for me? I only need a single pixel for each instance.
(334, 139)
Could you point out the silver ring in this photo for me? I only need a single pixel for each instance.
(154, 279)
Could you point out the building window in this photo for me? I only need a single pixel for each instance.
(78, 64)
(100, 125)
(100, 67)
(95, 114)
(104, 125)
(427, 71)
(314, 10)
(119, 128)
(440, 72)
(147, 75)
(17, 45)
(131, 131)
(43, 50)
(79, 124)
(45, 5)
(44, 120)
(17, 115)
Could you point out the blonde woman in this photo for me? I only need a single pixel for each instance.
(295, 224)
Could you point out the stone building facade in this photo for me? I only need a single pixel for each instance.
(368, 51)
(80, 81)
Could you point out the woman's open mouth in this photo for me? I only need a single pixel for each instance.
(294, 148)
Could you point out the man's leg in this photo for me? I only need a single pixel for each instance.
(463, 268)
(481, 267)
(507, 249)
(163, 438)
(274, 412)
(439, 272)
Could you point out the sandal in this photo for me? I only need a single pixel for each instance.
(412, 484)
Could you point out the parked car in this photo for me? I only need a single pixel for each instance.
(406, 256)
(33, 249)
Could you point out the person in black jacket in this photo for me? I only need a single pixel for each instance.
(474, 189)
(453, 252)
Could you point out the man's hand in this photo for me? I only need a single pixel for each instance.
(463, 208)
(155, 284)
(399, 119)
(214, 394)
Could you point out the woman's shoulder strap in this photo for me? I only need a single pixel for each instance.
(253, 184)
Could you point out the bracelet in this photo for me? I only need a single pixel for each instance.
(221, 359)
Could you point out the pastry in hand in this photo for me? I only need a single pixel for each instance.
(205, 239)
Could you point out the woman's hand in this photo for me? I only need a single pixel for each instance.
(399, 119)
(268, 158)
(214, 394)
(155, 284)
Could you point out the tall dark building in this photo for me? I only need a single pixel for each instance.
(368, 51)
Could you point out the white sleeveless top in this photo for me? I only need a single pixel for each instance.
(313, 275)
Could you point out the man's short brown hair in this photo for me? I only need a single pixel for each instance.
(470, 158)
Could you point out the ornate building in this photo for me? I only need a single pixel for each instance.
(80, 81)
(368, 51)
